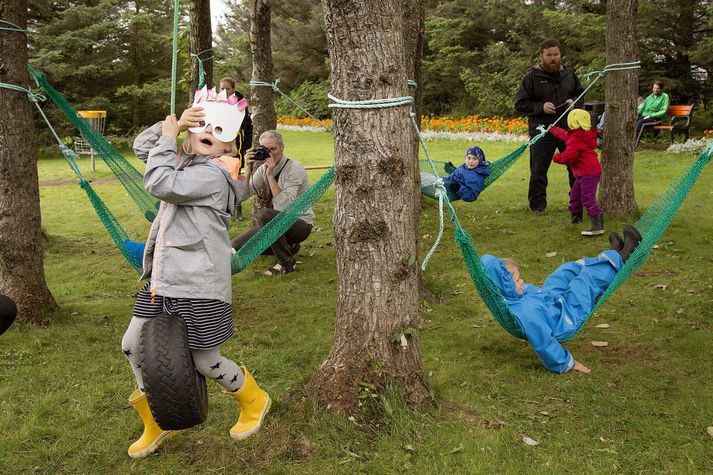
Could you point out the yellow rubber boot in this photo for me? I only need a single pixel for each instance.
(153, 435)
(254, 404)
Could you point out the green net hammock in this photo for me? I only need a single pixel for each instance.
(131, 179)
(497, 168)
(651, 225)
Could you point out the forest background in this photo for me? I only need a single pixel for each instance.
(115, 55)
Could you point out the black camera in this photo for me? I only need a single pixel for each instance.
(261, 153)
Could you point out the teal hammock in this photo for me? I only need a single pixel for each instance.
(130, 178)
(651, 225)
(497, 169)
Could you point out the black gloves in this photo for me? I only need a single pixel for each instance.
(454, 186)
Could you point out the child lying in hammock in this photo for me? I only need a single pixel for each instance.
(560, 307)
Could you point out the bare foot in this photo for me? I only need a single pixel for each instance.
(580, 367)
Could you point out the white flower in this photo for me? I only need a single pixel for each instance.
(691, 145)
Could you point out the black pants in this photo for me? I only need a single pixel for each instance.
(282, 247)
(641, 123)
(541, 153)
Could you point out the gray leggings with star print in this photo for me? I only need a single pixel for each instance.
(210, 363)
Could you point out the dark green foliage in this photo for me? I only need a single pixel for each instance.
(115, 54)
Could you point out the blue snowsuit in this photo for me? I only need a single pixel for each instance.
(470, 180)
(560, 307)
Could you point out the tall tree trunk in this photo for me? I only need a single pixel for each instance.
(262, 103)
(201, 40)
(617, 189)
(375, 216)
(414, 26)
(22, 276)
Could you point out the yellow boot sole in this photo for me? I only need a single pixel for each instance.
(154, 445)
(248, 433)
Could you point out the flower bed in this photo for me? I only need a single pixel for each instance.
(471, 127)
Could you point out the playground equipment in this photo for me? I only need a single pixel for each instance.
(97, 120)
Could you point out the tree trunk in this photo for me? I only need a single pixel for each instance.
(201, 40)
(375, 339)
(22, 276)
(414, 26)
(262, 103)
(263, 106)
(617, 188)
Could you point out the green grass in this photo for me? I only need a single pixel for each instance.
(644, 408)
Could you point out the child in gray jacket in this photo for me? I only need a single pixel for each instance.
(187, 255)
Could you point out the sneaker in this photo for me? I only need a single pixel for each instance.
(539, 212)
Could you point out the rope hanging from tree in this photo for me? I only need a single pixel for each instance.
(274, 87)
(115, 230)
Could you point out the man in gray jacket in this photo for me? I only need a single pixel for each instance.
(280, 181)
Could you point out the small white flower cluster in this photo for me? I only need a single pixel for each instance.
(432, 135)
(473, 136)
(302, 128)
(690, 145)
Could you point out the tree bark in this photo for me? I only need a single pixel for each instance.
(22, 275)
(616, 193)
(375, 338)
(414, 28)
(263, 105)
(201, 40)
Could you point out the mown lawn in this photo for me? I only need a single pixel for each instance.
(644, 408)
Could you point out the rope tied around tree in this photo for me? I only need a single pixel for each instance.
(201, 69)
(116, 231)
(274, 87)
(12, 27)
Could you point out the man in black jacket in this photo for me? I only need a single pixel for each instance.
(545, 92)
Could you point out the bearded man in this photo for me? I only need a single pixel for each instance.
(546, 91)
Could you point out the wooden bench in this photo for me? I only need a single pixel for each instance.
(680, 120)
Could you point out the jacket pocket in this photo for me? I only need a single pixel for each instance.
(185, 261)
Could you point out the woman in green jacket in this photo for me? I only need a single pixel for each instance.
(652, 110)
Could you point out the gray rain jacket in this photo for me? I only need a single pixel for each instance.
(188, 248)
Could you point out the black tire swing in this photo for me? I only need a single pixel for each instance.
(176, 392)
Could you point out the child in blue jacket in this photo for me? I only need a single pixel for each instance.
(467, 180)
(555, 311)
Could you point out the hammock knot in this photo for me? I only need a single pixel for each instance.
(462, 237)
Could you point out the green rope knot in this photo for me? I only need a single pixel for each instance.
(462, 237)
(271, 85)
(201, 69)
(537, 137)
(31, 96)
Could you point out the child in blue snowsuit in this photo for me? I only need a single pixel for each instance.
(555, 311)
(467, 180)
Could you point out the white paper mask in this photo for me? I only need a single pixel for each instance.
(225, 114)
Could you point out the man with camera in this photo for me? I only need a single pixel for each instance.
(279, 181)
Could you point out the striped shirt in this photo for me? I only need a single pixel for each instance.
(209, 323)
